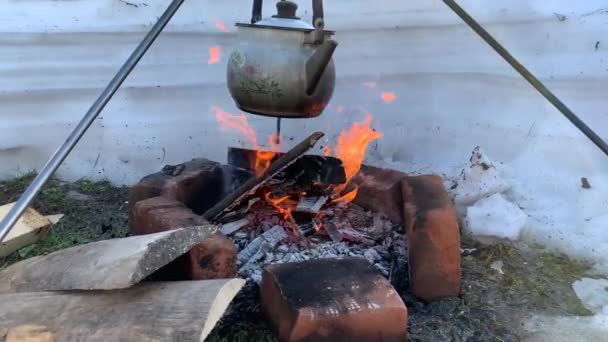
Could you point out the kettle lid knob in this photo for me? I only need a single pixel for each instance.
(286, 9)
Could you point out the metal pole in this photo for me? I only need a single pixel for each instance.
(596, 139)
(62, 152)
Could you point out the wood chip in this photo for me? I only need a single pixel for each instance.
(30, 228)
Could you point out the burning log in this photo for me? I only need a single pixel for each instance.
(254, 183)
(307, 170)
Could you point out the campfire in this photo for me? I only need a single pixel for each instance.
(306, 211)
(284, 214)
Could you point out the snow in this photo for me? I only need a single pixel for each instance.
(480, 179)
(495, 217)
(593, 293)
(567, 329)
(452, 93)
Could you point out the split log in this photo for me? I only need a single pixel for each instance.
(163, 311)
(103, 265)
(250, 186)
(308, 169)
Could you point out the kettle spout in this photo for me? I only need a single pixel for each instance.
(315, 66)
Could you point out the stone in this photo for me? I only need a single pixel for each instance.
(380, 191)
(160, 214)
(198, 176)
(342, 299)
(216, 258)
(213, 258)
(433, 239)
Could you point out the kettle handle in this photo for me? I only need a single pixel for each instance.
(256, 13)
(317, 13)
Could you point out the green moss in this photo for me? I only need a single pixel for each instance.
(537, 280)
(102, 216)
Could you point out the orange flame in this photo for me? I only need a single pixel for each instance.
(351, 148)
(352, 145)
(347, 198)
(239, 122)
(284, 206)
(388, 97)
(221, 26)
(214, 55)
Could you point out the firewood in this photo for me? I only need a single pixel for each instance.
(250, 186)
(155, 311)
(30, 228)
(308, 169)
(103, 265)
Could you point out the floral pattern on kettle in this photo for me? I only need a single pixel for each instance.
(250, 80)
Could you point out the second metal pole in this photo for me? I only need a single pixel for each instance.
(62, 152)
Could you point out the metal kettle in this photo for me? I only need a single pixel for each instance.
(282, 66)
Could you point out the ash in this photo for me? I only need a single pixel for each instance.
(343, 229)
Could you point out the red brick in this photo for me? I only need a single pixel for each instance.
(380, 190)
(342, 299)
(198, 186)
(215, 257)
(159, 214)
(433, 238)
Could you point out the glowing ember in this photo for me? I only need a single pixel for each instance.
(388, 97)
(221, 26)
(214, 55)
(340, 108)
(284, 206)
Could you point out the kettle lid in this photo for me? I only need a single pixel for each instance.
(285, 18)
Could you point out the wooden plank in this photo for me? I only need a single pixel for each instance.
(103, 265)
(163, 311)
(251, 185)
(31, 227)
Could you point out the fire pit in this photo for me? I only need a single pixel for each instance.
(318, 207)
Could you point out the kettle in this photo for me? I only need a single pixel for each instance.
(282, 66)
